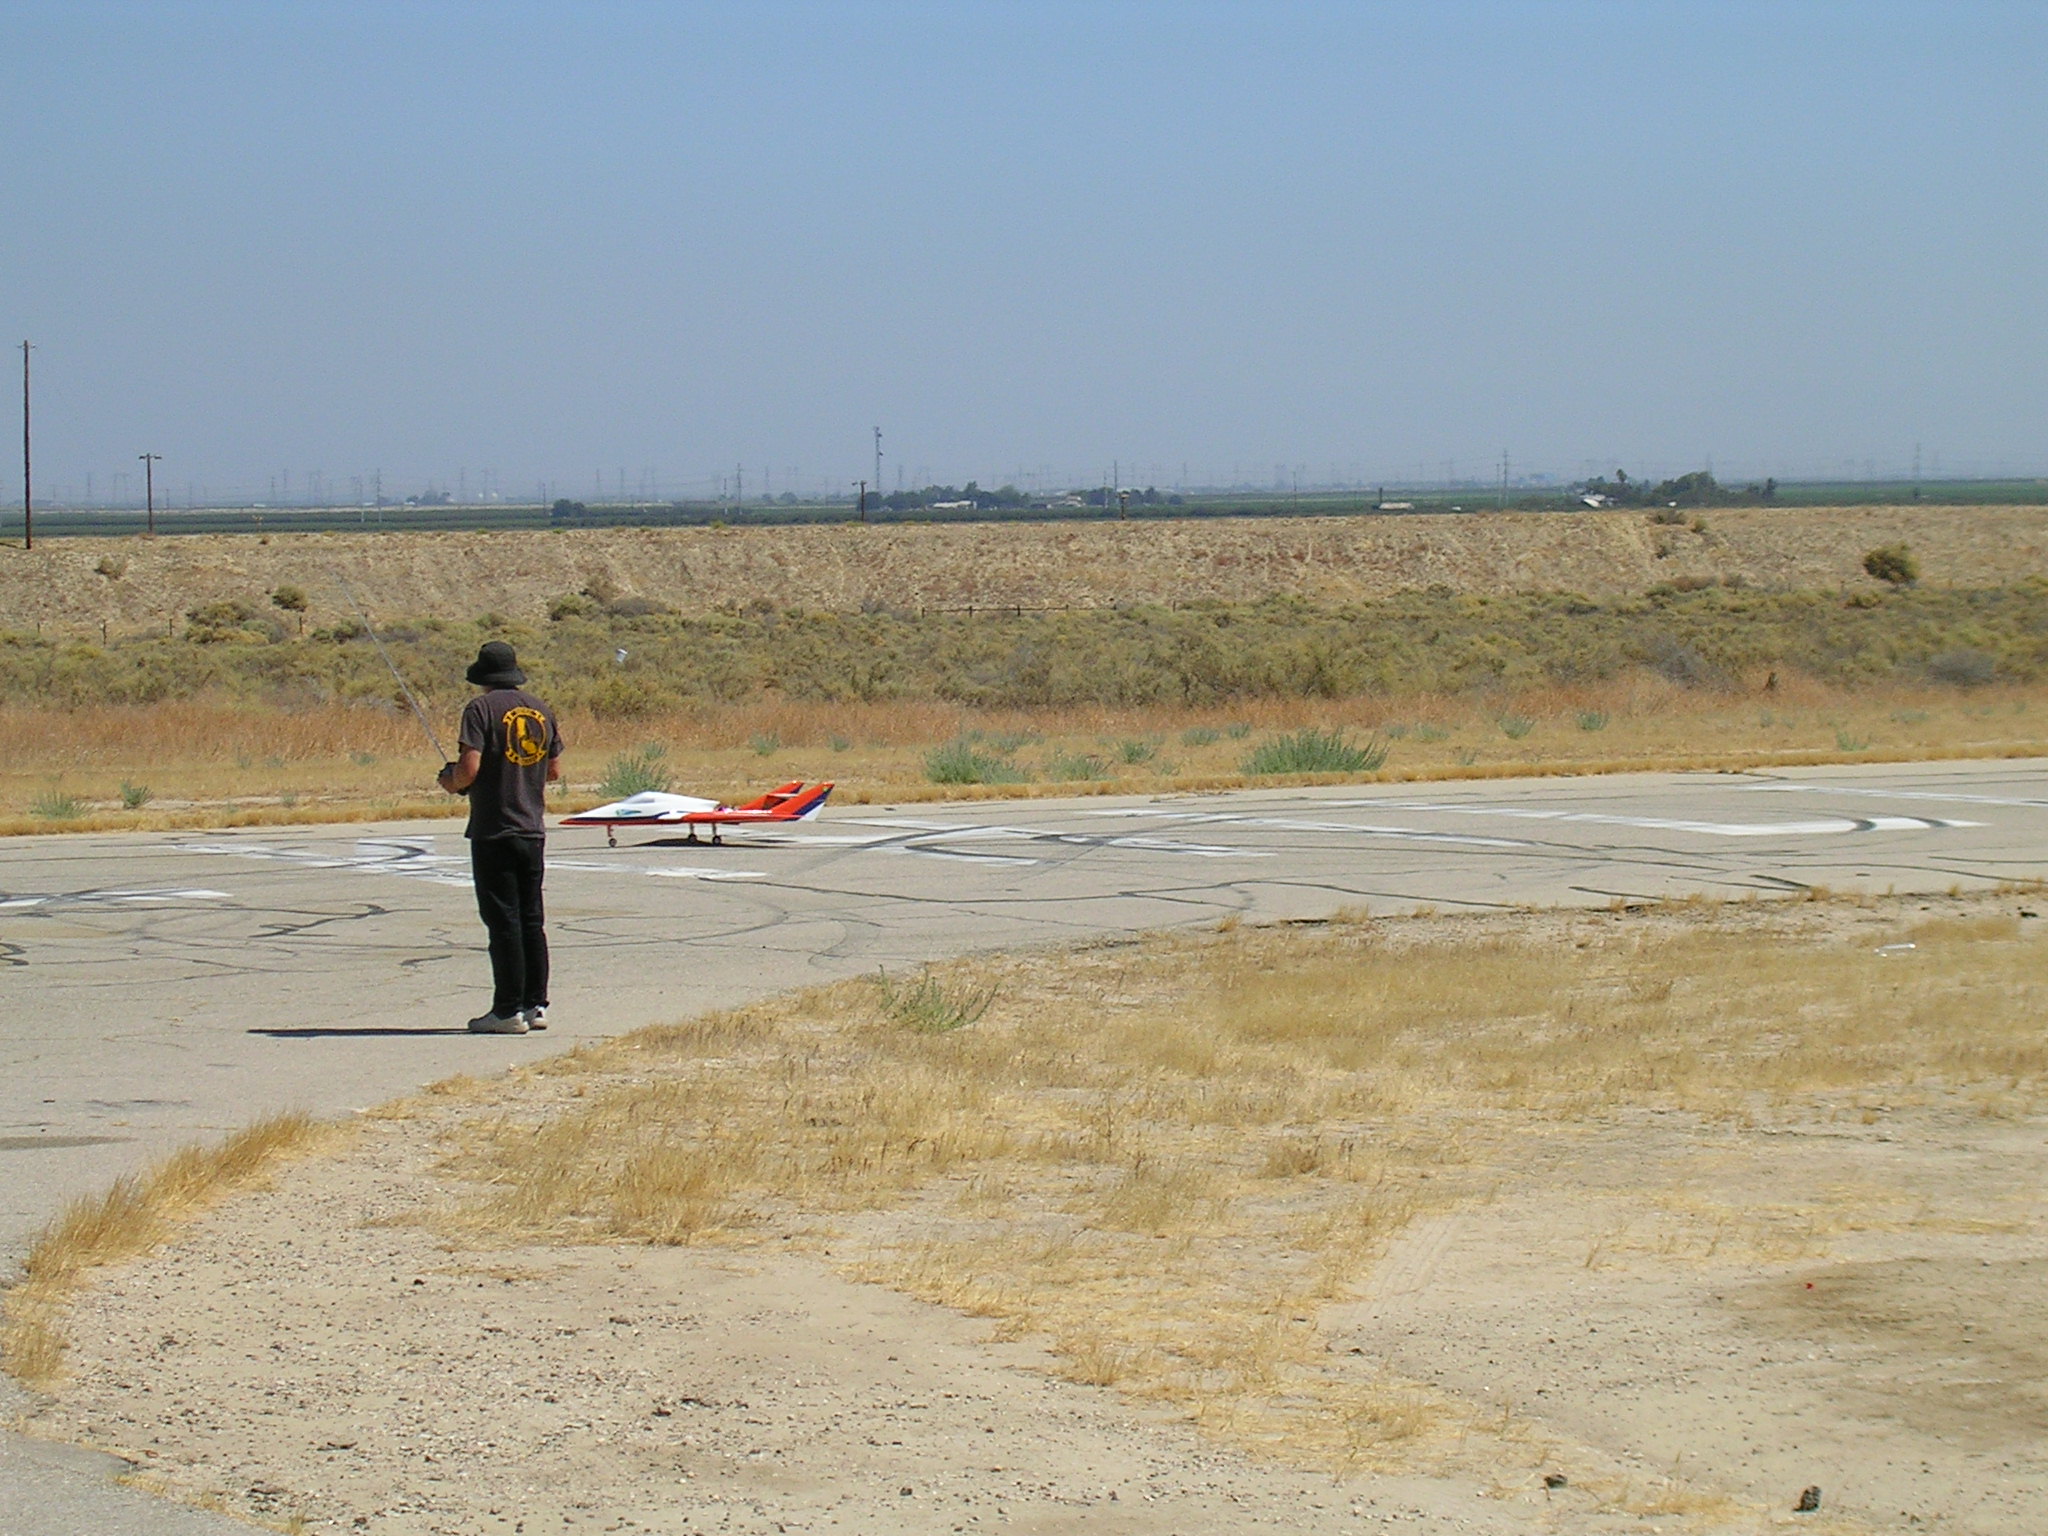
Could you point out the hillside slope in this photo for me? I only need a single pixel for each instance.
(133, 585)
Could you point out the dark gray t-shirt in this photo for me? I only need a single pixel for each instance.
(516, 735)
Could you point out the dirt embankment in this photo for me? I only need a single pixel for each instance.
(136, 585)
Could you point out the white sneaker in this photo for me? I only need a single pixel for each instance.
(536, 1018)
(492, 1024)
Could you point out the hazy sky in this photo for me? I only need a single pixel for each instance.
(543, 241)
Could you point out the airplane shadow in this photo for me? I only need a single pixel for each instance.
(695, 842)
(365, 1031)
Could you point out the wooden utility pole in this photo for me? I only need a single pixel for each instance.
(28, 498)
(863, 499)
(149, 484)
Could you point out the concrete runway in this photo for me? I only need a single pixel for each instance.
(160, 987)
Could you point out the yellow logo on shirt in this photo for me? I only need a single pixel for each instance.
(526, 736)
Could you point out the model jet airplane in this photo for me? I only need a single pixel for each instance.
(794, 801)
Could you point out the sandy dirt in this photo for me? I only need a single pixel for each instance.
(1652, 1322)
(320, 1356)
(137, 585)
(1859, 1308)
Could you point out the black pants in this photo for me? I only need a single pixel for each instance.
(508, 874)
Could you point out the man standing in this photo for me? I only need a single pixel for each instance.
(511, 750)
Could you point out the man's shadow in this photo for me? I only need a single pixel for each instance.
(345, 1032)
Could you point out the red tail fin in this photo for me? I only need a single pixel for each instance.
(790, 802)
(793, 802)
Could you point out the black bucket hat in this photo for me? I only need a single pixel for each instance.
(495, 667)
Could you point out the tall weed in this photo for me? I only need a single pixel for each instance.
(963, 762)
(1309, 750)
(55, 805)
(634, 773)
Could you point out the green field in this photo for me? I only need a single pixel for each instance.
(59, 521)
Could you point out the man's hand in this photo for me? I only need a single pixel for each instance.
(456, 777)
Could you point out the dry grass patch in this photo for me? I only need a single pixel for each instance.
(134, 1215)
(1164, 1157)
(207, 762)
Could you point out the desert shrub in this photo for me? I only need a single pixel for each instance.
(1309, 750)
(1962, 669)
(1679, 584)
(628, 697)
(55, 805)
(1068, 768)
(930, 1007)
(230, 622)
(134, 796)
(636, 607)
(220, 615)
(1682, 662)
(963, 762)
(573, 605)
(1218, 658)
(292, 600)
(1515, 727)
(1134, 752)
(634, 773)
(1200, 736)
(113, 567)
(1005, 742)
(1893, 563)
(1592, 719)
